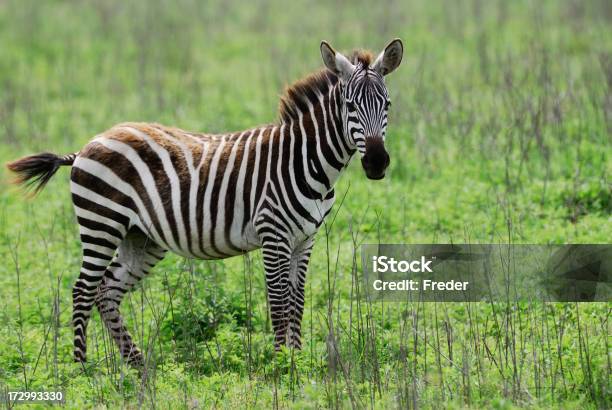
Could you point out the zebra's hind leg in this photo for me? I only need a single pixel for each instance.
(136, 255)
(99, 240)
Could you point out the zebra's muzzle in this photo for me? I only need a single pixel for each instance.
(376, 159)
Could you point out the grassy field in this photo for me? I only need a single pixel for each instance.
(499, 132)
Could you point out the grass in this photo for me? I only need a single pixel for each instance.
(499, 132)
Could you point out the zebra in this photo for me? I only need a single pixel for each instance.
(141, 189)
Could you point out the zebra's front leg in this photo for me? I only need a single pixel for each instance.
(277, 264)
(297, 280)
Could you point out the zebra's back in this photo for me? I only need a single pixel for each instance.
(194, 194)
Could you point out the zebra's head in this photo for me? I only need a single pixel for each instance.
(365, 102)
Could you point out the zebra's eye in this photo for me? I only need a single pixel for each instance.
(351, 106)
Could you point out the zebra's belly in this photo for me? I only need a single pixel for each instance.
(207, 245)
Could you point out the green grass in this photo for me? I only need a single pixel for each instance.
(499, 132)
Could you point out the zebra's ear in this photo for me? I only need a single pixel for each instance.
(336, 62)
(390, 58)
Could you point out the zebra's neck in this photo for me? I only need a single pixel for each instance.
(318, 126)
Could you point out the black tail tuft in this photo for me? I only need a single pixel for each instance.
(36, 170)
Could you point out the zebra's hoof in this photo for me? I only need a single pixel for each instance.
(80, 357)
(136, 360)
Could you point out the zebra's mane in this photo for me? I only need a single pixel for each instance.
(296, 97)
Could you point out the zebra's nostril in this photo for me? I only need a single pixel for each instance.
(376, 156)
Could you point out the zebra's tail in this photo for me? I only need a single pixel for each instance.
(36, 170)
